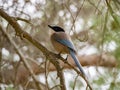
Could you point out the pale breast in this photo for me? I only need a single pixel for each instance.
(58, 46)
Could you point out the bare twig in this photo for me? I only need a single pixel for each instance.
(1, 55)
(75, 82)
(46, 74)
(77, 15)
(75, 18)
(84, 77)
(24, 60)
(112, 13)
(22, 19)
(96, 7)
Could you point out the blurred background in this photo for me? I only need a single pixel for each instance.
(94, 27)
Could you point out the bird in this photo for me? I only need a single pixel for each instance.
(63, 45)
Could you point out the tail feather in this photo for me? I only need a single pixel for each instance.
(73, 55)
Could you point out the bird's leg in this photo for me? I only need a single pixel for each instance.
(67, 57)
(59, 54)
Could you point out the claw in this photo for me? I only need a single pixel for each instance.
(67, 57)
(59, 54)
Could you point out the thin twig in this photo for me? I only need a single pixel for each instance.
(77, 71)
(23, 60)
(22, 19)
(75, 82)
(55, 87)
(46, 75)
(112, 13)
(96, 7)
(74, 18)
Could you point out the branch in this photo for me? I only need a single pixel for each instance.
(112, 12)
(49, 55)
(23, 59)
(22, 19)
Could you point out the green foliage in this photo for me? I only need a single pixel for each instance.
(10, 88)
(117, 53)
(100, 81)
(114, 86)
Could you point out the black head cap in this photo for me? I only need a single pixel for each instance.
(56, 28)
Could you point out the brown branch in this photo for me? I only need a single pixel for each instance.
(28, 67)
(22, 19)
(88, 60)
(1, 39)
(103, 60)
(49, 55)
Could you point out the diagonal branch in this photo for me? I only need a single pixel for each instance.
(49, 55)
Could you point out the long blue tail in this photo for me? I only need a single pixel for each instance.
(73, 55)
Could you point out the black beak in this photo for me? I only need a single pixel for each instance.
(50, 26)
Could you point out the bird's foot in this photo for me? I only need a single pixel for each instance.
(66, 58)
(21, 35)
(59, 54)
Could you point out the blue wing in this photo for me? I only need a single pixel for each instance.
(66, 43)
(72, 52)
